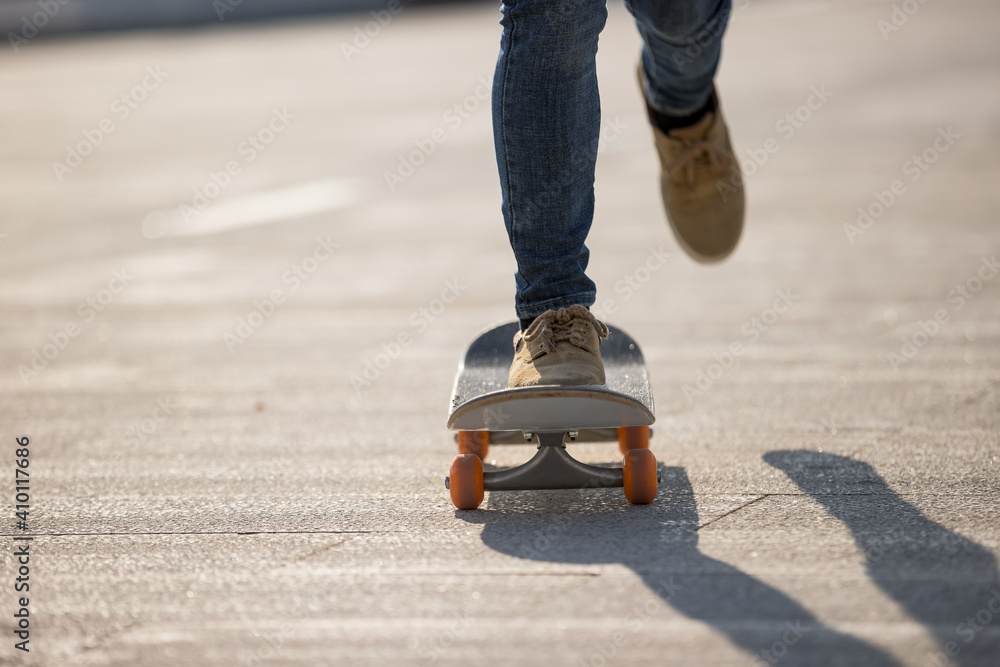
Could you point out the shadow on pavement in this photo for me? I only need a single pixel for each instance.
(943, 580)
(659, 542)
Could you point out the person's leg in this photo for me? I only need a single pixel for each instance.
(682, 43)
(700, 179)
(546, 125)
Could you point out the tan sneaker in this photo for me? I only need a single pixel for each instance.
(702, 186)
(561, 347)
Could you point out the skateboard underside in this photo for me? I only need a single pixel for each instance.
(485, 411)
(544, 408)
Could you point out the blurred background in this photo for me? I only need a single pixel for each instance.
(122, 15)
(220, 221)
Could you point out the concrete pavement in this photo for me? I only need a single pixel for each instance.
(212, 242)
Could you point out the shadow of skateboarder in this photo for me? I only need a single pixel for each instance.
(943, 580)
(659, 542)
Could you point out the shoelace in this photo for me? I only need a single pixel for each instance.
(695, 151)
(572, 324)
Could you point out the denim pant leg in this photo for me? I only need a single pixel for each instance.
(682, 42)
(546, 125)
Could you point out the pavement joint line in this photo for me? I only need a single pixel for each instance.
(463, 575)
(723, 516)
(903, 494)
(216, 532)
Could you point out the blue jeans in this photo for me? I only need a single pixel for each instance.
(547, 121)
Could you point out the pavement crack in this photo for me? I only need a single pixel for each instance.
(316, 552)
(982, 393)
(733, 511)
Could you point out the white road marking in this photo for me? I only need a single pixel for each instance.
(256, 209)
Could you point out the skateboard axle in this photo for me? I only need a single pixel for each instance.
(552, 468)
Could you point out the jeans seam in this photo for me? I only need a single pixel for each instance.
(503, 127)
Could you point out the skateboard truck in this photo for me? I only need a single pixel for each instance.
(486, 411)
(552, 467)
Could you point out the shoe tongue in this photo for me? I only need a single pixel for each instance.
(697, 131)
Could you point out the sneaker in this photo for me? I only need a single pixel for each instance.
(701, 185)
(561, 347)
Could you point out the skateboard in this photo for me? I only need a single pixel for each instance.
(484, 412)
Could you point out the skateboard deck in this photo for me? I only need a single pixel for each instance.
(481, 400)
(485, 410)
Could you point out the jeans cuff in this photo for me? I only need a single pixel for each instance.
(587, 300)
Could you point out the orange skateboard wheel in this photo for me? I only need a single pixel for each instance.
(639, 468)
(633, 437)
(474, 442)
(465, 481)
